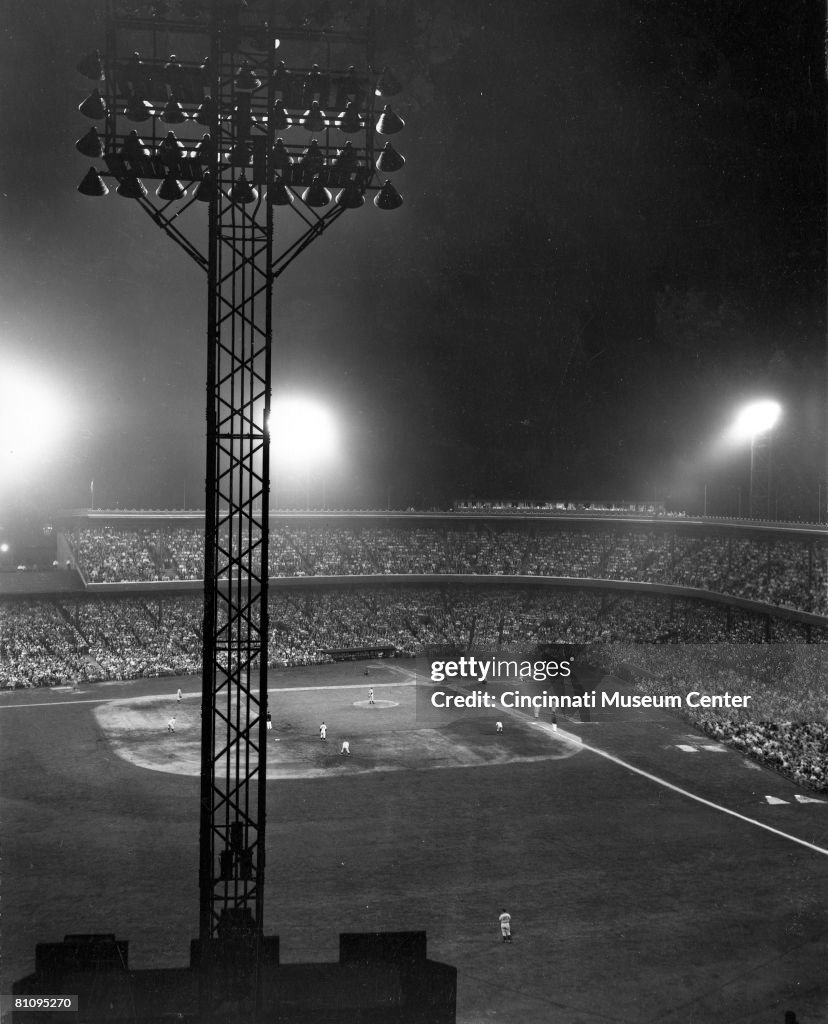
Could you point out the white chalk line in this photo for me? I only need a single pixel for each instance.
(678, 789)
(190, 696)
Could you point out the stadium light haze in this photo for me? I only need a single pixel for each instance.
(302, 431)
(755, 423)
(755, 419)
(32, 420)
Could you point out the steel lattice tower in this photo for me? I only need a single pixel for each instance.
(210, 131)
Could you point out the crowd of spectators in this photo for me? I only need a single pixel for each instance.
(38, 646)
(670, 645)
(780, 572)
(66, 639)
(785, 725)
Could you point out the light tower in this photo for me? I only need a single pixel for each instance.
(755, 423)
(202, 123)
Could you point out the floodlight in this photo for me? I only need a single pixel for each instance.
(349, 120)
(204, 114)
(205, 150)
(313, 158)
(388, 198)
(282, 80)
(137, 109)
(92, 184)
(346, 161)
(390, 160)
(134, 149)
(313, 120)
(171, 189)
(302, 431)
(173, 112)
(351, 197)
(132, 188)
(242, 191)
(93, 106)
(279, 195)
(312, 86)
(172, 72)
(170, 151)
(316, 194)
(280, 159)
(246, 80)
(205, 189)
(90, 144)
(241, 155)
(278, 117)
(389, 123)
(32, 419)
(756, 418)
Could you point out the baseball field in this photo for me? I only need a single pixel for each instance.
(652, 875)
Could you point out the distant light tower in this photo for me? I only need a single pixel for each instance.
(755, 423)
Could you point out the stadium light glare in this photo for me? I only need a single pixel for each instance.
(302, 431)
(755, 419)
(31, 418)
(754, 424)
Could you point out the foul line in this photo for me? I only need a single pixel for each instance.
(683, 792)
(154, 696)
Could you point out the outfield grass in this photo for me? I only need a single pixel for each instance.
(629, 900)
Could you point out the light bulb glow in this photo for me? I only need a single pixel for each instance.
(755, 419)
(32, 419)
(302, 431)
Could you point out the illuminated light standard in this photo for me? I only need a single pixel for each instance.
(303, 435)
(754, 423)
(250, 140)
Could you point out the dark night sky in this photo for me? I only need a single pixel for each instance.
(613, 233)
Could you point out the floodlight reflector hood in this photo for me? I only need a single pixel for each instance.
(93, 106)
(389, 123)
(316, 195)
(349, 120)
(90, 144)
(132, 188)
(388, 198)
(390, 160)
(93, 184)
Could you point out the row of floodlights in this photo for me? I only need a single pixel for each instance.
(171, 152)
(242, 192)
(314, 119)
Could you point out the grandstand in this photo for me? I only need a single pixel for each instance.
(126, 603)
(781, 566)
